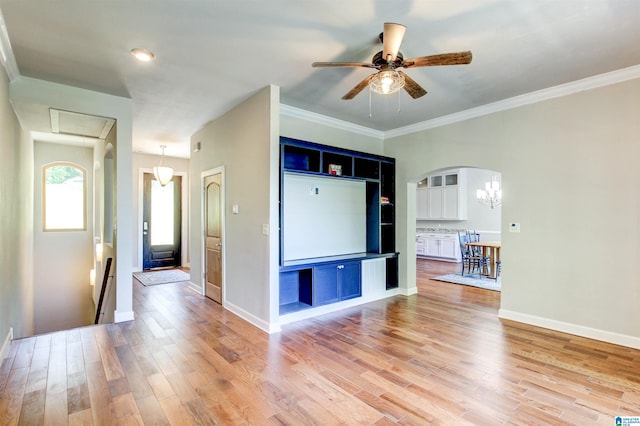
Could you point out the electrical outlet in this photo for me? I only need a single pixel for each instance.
(514, 227)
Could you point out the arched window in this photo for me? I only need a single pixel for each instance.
(64, 197)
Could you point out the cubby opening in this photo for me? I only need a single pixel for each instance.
(373, 217)
(392, 272)
(337, 164)
(365, 168)
(387, 238)
(295, 290)
(299, 158)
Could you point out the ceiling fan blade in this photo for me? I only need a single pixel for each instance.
(413, 89)
(391, 40)
(458, 58)
(353, 92)
(341, 64)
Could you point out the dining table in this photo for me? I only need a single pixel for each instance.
(490, 249)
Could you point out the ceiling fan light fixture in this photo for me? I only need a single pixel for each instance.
(386, 82)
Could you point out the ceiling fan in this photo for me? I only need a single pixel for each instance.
(389, 59)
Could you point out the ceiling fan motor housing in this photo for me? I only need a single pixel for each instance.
(379, 61)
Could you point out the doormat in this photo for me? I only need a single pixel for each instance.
(470, 280)
(161, 277)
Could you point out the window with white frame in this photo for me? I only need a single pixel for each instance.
(64, 194)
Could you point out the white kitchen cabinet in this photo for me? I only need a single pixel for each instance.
(436, 245)
(432, 244)
(421, 249)
(444, 198)
(422, 203)
(451, 202)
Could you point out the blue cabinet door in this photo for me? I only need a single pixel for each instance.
(325, 284)
(349, 281)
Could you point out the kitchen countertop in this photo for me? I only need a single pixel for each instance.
(439, 230)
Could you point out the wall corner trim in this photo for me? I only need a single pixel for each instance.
(575, 329)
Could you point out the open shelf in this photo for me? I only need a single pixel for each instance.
(344, 162)
(365, 168)
(300, 158)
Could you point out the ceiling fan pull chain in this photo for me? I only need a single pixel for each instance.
(398, 101)
(370, 103)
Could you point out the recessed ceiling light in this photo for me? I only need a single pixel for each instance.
(142, 55)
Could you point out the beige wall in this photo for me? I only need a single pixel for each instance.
(16, 222)
(570, 178)
(243, 141)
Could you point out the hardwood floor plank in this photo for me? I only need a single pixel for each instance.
(12, 396)
(81, 418)
(32, 412)
(56, 405)
(151, 412)
(176, 413)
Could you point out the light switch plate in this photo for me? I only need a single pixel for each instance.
(265, 229)
(235, 209)
(514, 227)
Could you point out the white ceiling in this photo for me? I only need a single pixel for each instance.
(211, 55)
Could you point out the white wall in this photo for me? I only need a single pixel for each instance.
(144, 163)
(62, 295)
(16, 222)
(569, 167)
(244, 141)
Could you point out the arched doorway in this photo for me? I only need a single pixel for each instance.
(447, 209)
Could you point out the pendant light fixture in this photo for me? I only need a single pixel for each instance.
(162, 173)
(491, 196)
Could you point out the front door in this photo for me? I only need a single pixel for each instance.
(161, 223)
(213, 236)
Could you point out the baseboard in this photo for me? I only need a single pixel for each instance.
(196, 288)
(123, 316)
(577, 330)
(5, 344)
(252, 319)
(408, 291)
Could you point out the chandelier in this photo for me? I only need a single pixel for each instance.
(491, 196)
(162, 173)
(387, 81)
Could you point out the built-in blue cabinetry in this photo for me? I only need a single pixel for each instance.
(309, 282)
(335, 282)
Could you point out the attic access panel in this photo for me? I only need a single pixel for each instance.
(74, 123)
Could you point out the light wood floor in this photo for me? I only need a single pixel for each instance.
(441, 357)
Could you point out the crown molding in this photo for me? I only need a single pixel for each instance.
(561, 90)
(302, 114)
(6, 52)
